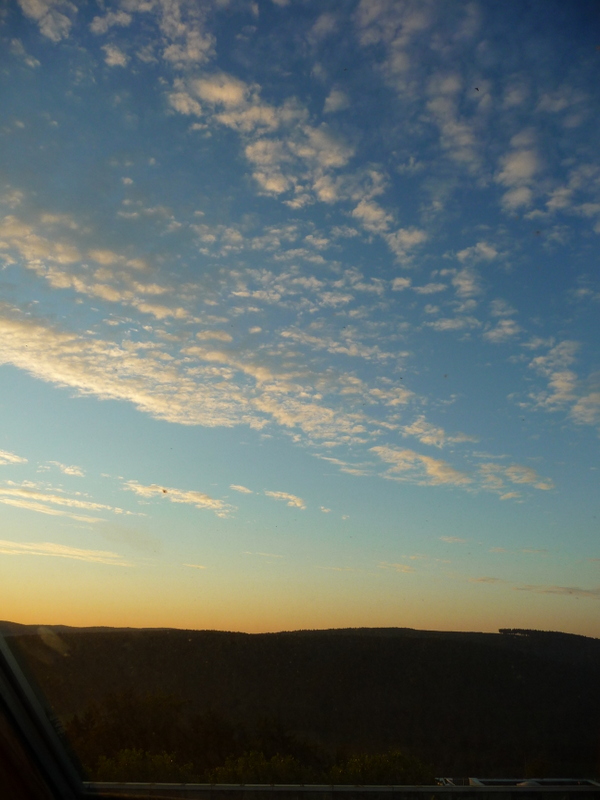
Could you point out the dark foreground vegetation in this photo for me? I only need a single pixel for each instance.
(354, 706)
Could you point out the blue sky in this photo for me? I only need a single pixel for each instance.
(299, 314)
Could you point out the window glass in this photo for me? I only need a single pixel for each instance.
(298, 332)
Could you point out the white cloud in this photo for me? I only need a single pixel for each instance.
(427, 433)
(197, 499)
(346, 347)
(453, 540)
(286, 153)
(68, 470)
(290, 499)
(113, 56)
(562, 382)
(100, 25)
(430, 288)
(185, 104)
(395, 567)
(325, 25)
(221, 336)
(422, 469)
(400, 284)
(61, 551)
(402, 241)
(467, 282)
(17, 49)
(24, 502)
(336, 100)
(586, 410)
(237, 488)
(516, 198)
(500, 308)
(518, 167)
(222, 89)
(482, 251)
(11, 458)
(504, 331)
(454, 324)
(52, 16)
(518, 170)
(494, 477)
(32, 497)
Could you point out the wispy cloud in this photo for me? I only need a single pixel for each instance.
(570, 591)
(61, 551)
(263, 555)
(68, 469)
(11, 458)
(188, 497)
(291, 499)
(430, 434)
(45, 501)
(409, 465)
(495, 476)
(395, 567)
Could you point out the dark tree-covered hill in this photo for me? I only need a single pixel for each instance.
(501, 704)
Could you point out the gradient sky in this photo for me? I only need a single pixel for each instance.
(299, 314)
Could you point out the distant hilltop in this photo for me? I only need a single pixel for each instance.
(456, 700)
(8, 628)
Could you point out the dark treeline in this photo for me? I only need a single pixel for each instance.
(357, 706)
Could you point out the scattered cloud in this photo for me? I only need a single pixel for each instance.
(53, 17)
(68, 470)
(193, 498)
(504, 331)
(395, 567)
(114, 57)
(427, 433)
(237, 488)
(101, 25)
(10, 548)
(570, 591)
(482, 251)
(408, 465)
(518, 169)
(336, 100)
(17, 49)
(33, 497)
(494, 477)
(11, 458)
(290, 499)
(453, 540)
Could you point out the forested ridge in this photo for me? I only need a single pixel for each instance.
(357, 705)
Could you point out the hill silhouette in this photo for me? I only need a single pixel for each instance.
(508, 704)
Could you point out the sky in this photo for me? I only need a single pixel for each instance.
(299, 314)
